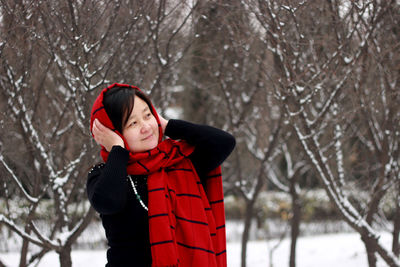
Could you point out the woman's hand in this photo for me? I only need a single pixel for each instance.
(105, 136)
(163, 122)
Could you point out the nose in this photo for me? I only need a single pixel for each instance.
(145, 128)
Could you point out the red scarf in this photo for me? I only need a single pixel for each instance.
(186, 222)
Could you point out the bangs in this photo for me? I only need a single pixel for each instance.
(118, 103)
(127, 108)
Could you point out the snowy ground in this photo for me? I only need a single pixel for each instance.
(331, 250)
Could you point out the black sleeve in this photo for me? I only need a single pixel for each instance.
(212, 146)
(106, 185)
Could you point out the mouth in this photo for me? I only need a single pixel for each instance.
(148, 137)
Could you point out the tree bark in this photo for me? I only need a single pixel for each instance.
(370, 252)
(65, 256)
(396, 231)
(295, 224)
(246, 230)
(24, 253)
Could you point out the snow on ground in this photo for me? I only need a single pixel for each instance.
(331, 250)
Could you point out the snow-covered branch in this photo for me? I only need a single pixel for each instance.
(17, 181)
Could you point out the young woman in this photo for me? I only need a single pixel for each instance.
(160, 199)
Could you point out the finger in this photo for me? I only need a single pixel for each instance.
(96, 134)
(100, 125)
(102, 128)
(97, 124)
(95, 129)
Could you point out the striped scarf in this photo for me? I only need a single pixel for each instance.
(186, 220)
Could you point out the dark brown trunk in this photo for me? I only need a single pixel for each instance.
(396, 230)
(295, 225)
(24, 253)
(370, 247)
(65, 257)
(246, 230)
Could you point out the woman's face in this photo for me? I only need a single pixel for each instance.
(141, 130)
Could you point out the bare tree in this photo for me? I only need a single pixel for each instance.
(320, 50)
(287, 179)
(36, 120)
(54, 55)
(226, 88)
(324, 73)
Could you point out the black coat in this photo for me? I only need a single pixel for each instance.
(125, 221)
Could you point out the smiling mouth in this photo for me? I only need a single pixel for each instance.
(148, 137)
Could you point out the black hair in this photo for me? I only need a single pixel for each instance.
(118, 103)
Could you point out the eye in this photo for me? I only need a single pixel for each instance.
(133, 123)
(148, 115)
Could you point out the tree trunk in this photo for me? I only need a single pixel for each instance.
(24, 253)
(65, 256)
(369, 246)
(396, 230)
(24, 248)
(246, 230)
(295, 224)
